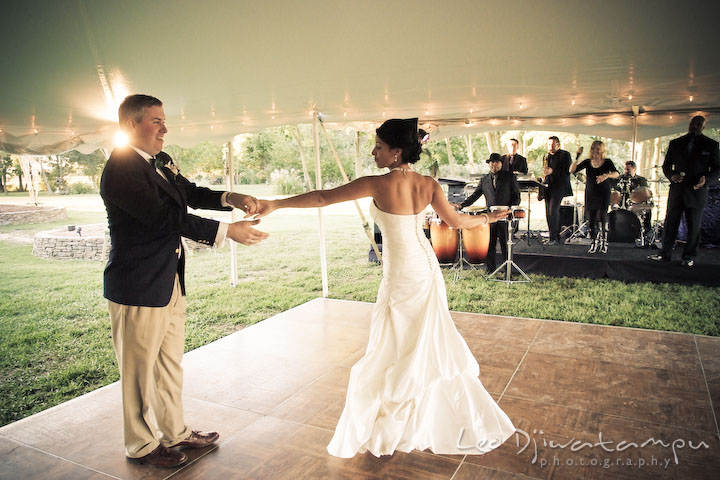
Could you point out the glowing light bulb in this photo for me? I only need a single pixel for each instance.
(344, 114)
(691, 98)
(630, 97)
(573, 102)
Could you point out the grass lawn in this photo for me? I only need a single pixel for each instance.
(55, 334)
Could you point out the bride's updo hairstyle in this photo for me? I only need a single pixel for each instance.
(402, 133)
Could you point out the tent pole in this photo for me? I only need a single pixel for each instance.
(295, 131)
(318, 186)
(471, 157)
(357, 153)
(451, 158)
(231, 188)
(635, 110)
(365, 224)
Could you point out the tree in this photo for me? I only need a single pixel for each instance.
(5, 164)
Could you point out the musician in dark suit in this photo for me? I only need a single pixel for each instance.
(513, 161)
(500, 188)
(556, 174)
(692, 163)
(144, 280)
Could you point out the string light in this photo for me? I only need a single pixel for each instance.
(344, 114)
(691, 98)
(572, 102)
(383, 114)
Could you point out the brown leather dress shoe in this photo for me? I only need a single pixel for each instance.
(162, 457)
(198, 439)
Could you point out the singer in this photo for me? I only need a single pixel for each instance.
(692, 163)
(556, 173)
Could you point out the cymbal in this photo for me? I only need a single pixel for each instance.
(659, 180)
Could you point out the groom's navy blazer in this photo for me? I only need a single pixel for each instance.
(147, 215)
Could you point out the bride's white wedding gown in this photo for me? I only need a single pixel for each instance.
(417, 386)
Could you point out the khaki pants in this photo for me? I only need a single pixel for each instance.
(149, 344)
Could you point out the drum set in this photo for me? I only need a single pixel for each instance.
(466, 246)
(629, 220)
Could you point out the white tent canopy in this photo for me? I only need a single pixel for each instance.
(225, 67)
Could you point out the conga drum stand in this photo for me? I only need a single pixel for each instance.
(509, 263)
(459, 265)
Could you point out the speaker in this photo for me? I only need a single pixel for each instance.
(566, 216)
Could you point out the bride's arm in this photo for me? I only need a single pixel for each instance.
(359, 188)
(456, 220)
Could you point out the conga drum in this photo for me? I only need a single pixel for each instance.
(476, 241)
(518, 212)
(444, 240)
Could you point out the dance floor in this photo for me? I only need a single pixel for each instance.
(588, 401)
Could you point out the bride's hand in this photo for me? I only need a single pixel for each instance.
(265, 207)
(497, 215)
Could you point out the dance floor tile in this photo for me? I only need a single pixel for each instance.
(709, 348)
(628, 346)
(276, 449)
(275, 391)
(21, 462)
(320, 404)
(663, 396)
(468, 471)
(88, 430)
(561, 442)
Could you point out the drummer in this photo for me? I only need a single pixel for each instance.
(631, 177)
(500, 187)
(635, 181)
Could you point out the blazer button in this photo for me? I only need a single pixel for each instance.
(177, 250)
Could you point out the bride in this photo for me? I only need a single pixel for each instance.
(417, 386)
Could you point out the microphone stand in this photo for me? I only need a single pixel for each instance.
(577, 228)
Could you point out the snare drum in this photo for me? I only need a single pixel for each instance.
(615, 197)
(476, 241)
(444, 240)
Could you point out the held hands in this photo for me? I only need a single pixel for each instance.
(243, 232)
(246, 203)
(265, 207)
(497, 215)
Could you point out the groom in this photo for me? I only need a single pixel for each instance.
(144, 280)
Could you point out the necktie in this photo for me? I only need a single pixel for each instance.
(156, 163)
(494, 177)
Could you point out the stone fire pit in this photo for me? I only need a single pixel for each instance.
(85, 242)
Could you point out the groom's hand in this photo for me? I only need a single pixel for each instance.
(246, 203)
(243, 232)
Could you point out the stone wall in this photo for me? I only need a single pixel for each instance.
(94, 244)
(21, 214)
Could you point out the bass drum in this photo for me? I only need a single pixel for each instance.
(623, 226)
(444, 240)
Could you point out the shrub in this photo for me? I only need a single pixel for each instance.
(81, 188)
(286, 182)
